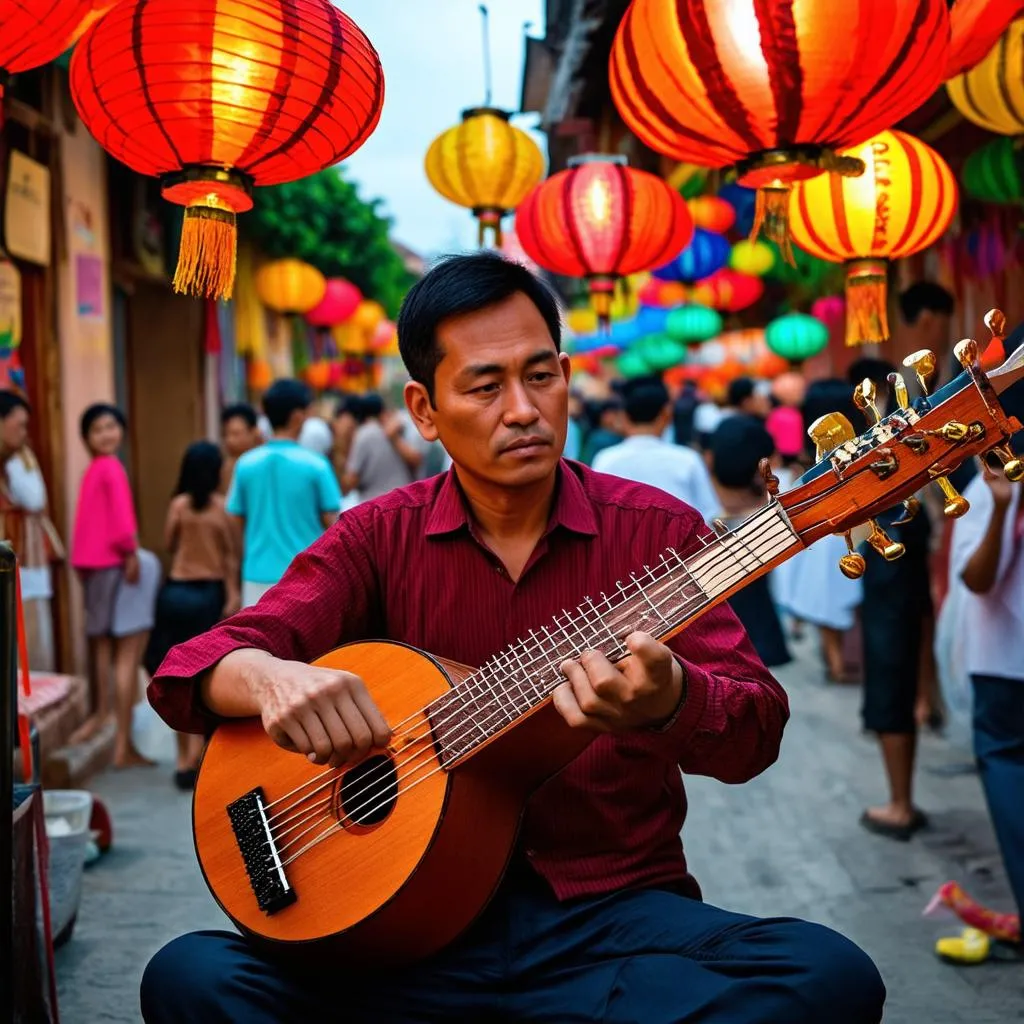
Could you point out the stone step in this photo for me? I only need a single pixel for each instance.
(73, 765)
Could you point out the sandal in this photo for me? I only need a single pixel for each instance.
(890, 830)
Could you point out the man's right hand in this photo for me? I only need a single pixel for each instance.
(323, 713)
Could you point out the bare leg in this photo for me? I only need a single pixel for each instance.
(898, 751)
(100, 656)
(127, 659)
(832, 649)
(190, 749)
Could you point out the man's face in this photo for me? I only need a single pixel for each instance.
(239, 437)
(500, 394)
(14, 429)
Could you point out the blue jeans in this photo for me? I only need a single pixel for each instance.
(646, 956)
(999, 750)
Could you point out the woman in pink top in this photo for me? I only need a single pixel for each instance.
(119, 582)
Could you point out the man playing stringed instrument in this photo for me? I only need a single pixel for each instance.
(597, 918)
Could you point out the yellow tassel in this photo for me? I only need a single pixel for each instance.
(771, 212)
(867, 320)
(206, 260)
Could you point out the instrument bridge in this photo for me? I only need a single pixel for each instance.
(259, 851)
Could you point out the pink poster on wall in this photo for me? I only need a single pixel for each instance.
(89, 285)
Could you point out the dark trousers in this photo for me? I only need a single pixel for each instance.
(645, 956)
(999, 749)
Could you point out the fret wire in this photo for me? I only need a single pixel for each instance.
(595, 641)
(654, 608)
(616, 645)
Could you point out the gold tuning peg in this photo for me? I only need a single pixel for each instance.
(956, 504)
(852, 564)
(828, 432)
(911, 507)
(864, 398)
(888, 548)
(899, 388)
(995, 321)
(1013, 467)
(966, 351)
(922, 363)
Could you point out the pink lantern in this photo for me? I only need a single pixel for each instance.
(830, 310)
(340, 301)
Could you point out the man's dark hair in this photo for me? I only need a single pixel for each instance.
(284, 398)
(925, 296)
(11, 400)
(94, 412)
(644, 399)
(739, 391)
(458, 285)
(241, 411)
(738, 445)
(875, 370)
(373, 405)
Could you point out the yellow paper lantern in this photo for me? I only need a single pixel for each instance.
(290, 286)
(991, 94)
(581, 321)
(367, 315)
(901, 204)
(755, 258)
(485, 164)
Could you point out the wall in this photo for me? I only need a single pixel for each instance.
(83, 320)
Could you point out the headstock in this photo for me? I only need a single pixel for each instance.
(921, 442)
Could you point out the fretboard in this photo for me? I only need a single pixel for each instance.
(658, 599)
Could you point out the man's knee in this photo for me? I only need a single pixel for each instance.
(184, 980)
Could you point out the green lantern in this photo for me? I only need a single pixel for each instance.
(632, 364)
(995, 172)
(660, 352)
(692, 324)
(796, 336)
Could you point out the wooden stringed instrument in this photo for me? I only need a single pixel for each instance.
(390, 859)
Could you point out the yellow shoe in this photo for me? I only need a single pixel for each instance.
(970, 947)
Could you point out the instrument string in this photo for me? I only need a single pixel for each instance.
(416, 762)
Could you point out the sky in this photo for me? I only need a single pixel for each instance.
(432, 55)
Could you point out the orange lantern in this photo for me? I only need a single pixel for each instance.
(712, 213)
(602, 220)
(903, 202)
(768, 89)
(290, 286)
(216, 96)
(318, 374)
(976, 25)
(260, 376)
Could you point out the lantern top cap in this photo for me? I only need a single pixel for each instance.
(471, 112)
(598, 158)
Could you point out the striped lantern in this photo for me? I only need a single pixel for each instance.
(991, 94)
(764, 86)
(486, 165)
(215, 96)
(975, 26)
(995, 172)
(601, 220)
(901, 204)
(34, 32)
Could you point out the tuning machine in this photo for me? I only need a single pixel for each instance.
(1013, 466)
(864, 395)
(828, 432)
(888, 548)
(923, 364)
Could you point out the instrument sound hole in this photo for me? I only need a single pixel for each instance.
(369, 790)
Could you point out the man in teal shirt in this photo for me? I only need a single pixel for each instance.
(283, 495)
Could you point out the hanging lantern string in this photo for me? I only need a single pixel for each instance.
(485, 19)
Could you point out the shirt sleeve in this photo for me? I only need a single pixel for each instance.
(327, 488)
(236, 494)
(121, 509)
(969, 530)
(26, 485)
(328, 596)
(730, 724)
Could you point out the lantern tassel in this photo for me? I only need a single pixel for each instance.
(206, 259)
(771, 212)
(867, 320)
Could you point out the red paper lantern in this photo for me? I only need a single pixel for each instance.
(34, 32)
(728, 290)
(776, 88)
(712, 213)
(602, 220)
(976, 25)
(216, 96)
(340, 301)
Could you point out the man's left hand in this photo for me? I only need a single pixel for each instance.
(643, 691)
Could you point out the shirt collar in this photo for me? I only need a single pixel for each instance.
(572, 509)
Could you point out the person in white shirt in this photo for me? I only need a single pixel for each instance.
(987, 557)
(646, 458)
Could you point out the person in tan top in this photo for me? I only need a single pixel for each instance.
(203, 584)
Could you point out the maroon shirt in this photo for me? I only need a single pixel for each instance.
(410, 566)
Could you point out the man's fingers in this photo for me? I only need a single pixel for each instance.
(318, 738)
(592, 677)
(357, 726)
(338, 732)
(567, 704)
(379, 728)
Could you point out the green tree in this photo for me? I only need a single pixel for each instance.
(323, 220)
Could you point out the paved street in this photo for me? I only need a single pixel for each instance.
(788, 843)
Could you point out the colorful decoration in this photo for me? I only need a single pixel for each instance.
(633, 364)
(216, 96)
(582, 320)
(901, 204)
(260, 376)
(796, 336)
(290, 286)
(706, 253)
(601, 220)
(995, 172)
(754, 258)
(688, 179)
(830, 310)
(340, 301)
(975, 26)
(662, 294)
(728, 290)
(767, 89)
(384, 341)
(485, 164)
(660, 352)
(991, 93)
(693, 324)
(712, 213)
